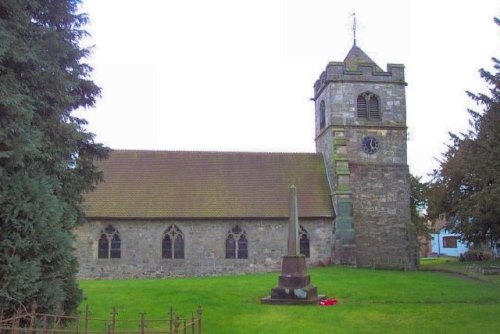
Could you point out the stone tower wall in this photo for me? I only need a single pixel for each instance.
(370, 191)
(381, 214)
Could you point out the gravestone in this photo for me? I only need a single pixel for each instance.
(294, 284)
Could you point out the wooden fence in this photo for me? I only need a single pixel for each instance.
(40, 323)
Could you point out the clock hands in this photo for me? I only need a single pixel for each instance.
(370, 145)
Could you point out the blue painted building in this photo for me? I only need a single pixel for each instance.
(445, 243)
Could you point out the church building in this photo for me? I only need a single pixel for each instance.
(170, 213)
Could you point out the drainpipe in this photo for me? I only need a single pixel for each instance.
(439, 245)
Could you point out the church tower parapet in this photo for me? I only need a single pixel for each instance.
(365, 72)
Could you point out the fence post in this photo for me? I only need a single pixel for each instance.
(200, 311)
(45, 324)
(86, 326)
(192, 323)
(15, 322)
(176, 324)
(57, 319)
(143, 322)
(113, 320)
(77, 324)
(32, 318)
(170, 318)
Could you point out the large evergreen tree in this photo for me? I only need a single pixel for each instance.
(466, 187)
(46, 156)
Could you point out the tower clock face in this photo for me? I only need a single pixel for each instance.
(370, 145)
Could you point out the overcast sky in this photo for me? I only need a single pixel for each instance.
(237, 75)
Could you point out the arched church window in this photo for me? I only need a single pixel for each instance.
(109, 244)
(236, 244)
(115, 247)
(242, 247)
(230, 246)
(322, 116)
(304, 241)
(368, 106)
(102, 251)
(172, 246)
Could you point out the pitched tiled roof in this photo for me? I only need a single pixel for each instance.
(165, 184)
(355, 57)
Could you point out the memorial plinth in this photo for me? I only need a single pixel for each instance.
(294, 284)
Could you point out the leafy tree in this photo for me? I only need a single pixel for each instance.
(46, 155)
(418, 204)
(466, 187)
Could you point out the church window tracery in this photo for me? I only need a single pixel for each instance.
(172, 246)
(236, 244)
(368, 106)
(109, 244)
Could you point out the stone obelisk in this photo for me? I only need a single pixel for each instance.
(294, 284)
(293, 224)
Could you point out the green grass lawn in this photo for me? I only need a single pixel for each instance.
(370, 301)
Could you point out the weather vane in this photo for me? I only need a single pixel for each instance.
(354, 26)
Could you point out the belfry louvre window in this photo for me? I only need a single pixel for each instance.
(450, 242)
(109, 245)
(304, 242)
(172, 246)
(368, 106)
(322, 116)
(236, 244)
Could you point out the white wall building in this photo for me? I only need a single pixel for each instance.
(447, 243)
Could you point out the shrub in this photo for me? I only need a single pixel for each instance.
(476, 255)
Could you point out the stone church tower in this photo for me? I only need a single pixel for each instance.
(361, 131)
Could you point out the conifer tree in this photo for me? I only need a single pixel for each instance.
(46, 155)
(466, 187)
